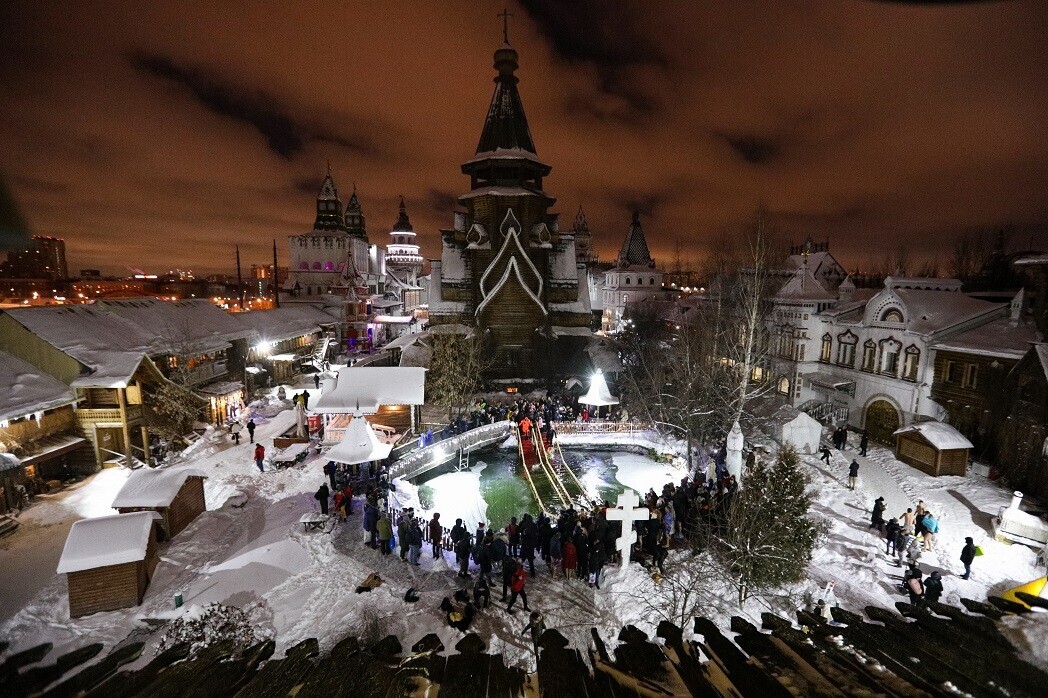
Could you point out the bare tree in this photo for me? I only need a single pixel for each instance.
(970, 249)
(455, 371)
(688, 587)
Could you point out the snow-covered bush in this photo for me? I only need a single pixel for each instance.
(202, 627)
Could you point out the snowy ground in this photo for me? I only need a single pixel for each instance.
(297, 585)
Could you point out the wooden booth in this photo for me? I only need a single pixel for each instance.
(933, 447)
(109, 561)
(177, 495)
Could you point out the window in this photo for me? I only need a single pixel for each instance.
(892, 315)
(784, 386)
(328, 243)
(827, 348)
(971, 375)
(330, 266)
(912, 360)
(316, 265)
(303, 265)
(846, 349)
(627, 281)
(869, 355)
(757, 375)
(949, 372)
(890, 356)
(651, 281)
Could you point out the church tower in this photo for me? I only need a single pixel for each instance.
(505, 267)
(355, 218)
(402, 252)
(632, 280)
(583, 240)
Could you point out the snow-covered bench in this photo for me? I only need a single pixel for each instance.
(313, 521)
(294, 453)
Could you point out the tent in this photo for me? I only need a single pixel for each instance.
(804, 432)
(598, 395)
(359, 445)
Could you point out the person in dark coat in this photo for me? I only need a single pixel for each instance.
(512, 530)
(582, 552)
(462, 553)
(251, 429)
(891, 534)
(596, 564)
(825, 457)
(509, 566)
(481, 591)
(536, 626)
(458, 532)
(403, 528)
(933, 587)
(967, 556)
(369, 522)
(329, 470)
(877, 517)
(305, 399)
(528, 541)
(484, 558)
(853, 474)
(844, 438)
(864, 442)
(322, 496)
(436, 533)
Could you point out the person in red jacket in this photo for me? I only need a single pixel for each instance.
(570, 559)
(260, 455)
(516, 588)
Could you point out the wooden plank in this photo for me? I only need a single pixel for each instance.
(280, 677)
(97, 673)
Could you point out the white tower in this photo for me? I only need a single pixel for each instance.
(402, 254)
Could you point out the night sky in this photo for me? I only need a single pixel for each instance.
(152, 135)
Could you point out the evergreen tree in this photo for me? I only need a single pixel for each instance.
(770, 534)
(455, 371)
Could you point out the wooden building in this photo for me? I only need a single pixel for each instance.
(387, 396)
(177, 495)
(933, 447)
(108, 562)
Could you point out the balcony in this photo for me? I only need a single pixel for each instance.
(205, 372)
(108, 416)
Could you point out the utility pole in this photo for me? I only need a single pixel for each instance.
(240, 281)
(276, 277)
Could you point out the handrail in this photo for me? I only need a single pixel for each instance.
(526, 469)
(558, 486)
(585, 494)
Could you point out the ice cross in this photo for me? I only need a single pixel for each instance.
(627, 513)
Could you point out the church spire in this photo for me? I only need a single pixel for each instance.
(403, 224)
(506, 126)
(634, 250)
(580, 225)
(355, 217)
(329, 206)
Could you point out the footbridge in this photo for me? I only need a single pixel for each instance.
(456, 447)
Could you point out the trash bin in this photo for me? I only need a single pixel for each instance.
(178, 600)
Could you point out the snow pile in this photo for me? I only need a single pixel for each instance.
(1029, 634)
(266, 407)
(200, 627)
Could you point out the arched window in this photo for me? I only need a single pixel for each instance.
(303, 265)
(827, 347)
(316, 265)
(341, 266)
(757, 374)
(890, 349)
(910, 363)
(651, 281)
(869, 355)
(892, 315)
(627, 281)
(330, 266)
(846, 349)
(784, 386)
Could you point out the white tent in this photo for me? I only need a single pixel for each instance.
(359, 445)
(804, 432)
(598, 394)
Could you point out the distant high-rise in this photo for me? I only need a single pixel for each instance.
(45, 258)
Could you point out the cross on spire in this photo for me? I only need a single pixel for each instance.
(505, 15)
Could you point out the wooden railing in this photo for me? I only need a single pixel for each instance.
(597, 427)
(111, 415)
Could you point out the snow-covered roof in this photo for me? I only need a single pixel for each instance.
(1042, 356)
(148, 487)
(803, 286)
(288, 322)
(394, 319)
(1002, 338)
(451, 328)
(403, 341)
(366, 388)
(561, 331)
(941, 436)
(25, 389)
(416, 355)
(932, 311)
(1033, 259)
(107, 540)
(109, 346)
(193, 324)
(359, 445)
(502, 191)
